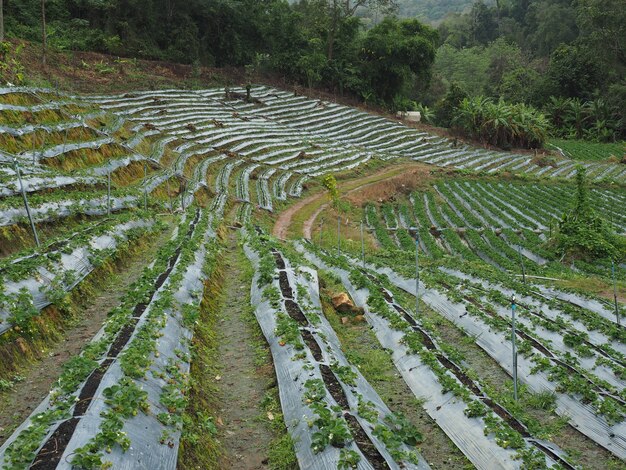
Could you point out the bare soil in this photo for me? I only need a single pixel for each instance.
(281, 227)
(381, 185)
(19, 402)
(244, 436)
(389, 188)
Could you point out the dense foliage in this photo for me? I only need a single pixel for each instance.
(583, 234)
(500, 123)
(565, 57)
(432, 10)
(314, 42)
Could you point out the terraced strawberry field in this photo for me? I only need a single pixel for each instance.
(88, 181)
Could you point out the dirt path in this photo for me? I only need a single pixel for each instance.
(17, 404)
(376, 179)
(281, 227)
(307, 227)
(244, 436)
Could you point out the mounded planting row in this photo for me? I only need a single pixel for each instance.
(488, 434)
(593, 405)
(28, 283)
(334, 416)
(119, 404)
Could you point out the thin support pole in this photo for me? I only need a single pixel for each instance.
(182, 196)
(26, 206)
(615, 292)
(514, 346)
(417, 276)
(145, 190)
(109, 192)
(362, 246)
(338, 235)
(43, 147)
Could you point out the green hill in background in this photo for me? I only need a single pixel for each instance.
(433, 10)
(430, 11)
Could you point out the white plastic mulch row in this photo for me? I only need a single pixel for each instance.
(446, 410)
(293, 371)
(583, 417)
(66, 208)
(152, 443)
(77, 262)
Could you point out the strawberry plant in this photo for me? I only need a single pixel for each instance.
(348, 459)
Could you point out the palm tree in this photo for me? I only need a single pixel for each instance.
(498, 124)
(576, 116)
(599, 112)
(557, 111)
(427, 114)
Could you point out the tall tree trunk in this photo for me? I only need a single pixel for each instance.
(332, 29)
(1, 20)
(170, 10)
(44, 37)
(331, 44)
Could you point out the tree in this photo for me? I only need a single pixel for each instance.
(557, 109)
(340, 10)
(456, 30)
(603, 25)
(582, 234)
(573, 72)
(311, 64)
(446, 107)
(553, 24)
(576, 116)
(330, 183)
(500, 123)
(395, 55)
(484, 25)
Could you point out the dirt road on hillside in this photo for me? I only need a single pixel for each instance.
(381, 184)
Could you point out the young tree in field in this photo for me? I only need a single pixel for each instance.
(330, 183)
(584, 235)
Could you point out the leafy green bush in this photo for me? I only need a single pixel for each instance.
(583, 234)
(500, 123)
(11, 69)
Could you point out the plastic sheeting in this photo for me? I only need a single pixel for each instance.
(77, 262)
(144, 430)
(582, 417)
(63, 148)
(54, 210)
(37, 183)
(291, 375)
(444, 408)
(589, 304)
